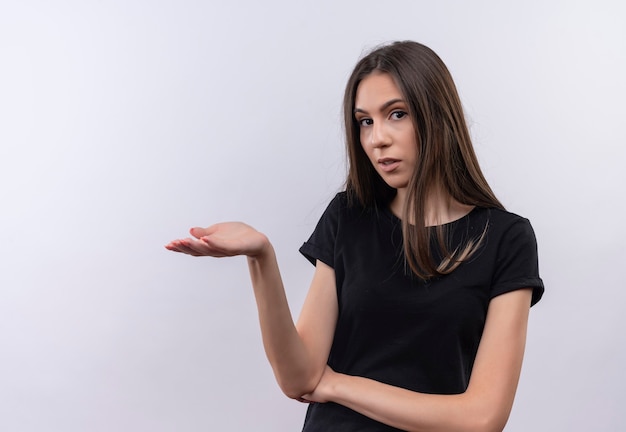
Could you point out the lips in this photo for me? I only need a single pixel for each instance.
(388, 164)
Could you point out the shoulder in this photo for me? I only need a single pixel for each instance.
(345, 205)
(501, 223)
(502, 217)
(340, 201)
(345, 217)
(511, 239)
(502, 227)
(339, 222)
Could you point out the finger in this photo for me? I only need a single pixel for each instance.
(170, 246)
(194, 247)
(226, 247)
(307, 398)
(183, 247)
(174, 246)
(199, 248)
(198, 232)
(190, 247)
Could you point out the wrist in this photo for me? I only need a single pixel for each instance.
(335, 385)
(263, 251)
(330, 385)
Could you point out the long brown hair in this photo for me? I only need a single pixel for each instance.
(446, 157)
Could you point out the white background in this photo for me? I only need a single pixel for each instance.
(124, 123)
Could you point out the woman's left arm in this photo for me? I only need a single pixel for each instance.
(486, 404)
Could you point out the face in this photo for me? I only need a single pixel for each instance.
(386, 130)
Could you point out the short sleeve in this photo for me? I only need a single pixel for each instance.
(517, 262)
(321, 244)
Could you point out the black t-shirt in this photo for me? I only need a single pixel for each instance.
(398, 329)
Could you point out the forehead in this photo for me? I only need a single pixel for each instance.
(376, 89)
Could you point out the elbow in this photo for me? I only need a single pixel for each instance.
(291, 390)
(480, 414)
(485, 412)
(491, 425)
(296, 389)
(488, 421)
(294, 394)
(296, 382)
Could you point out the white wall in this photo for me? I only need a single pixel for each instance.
(123, 123)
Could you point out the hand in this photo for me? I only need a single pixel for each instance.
(323, 390)
(222, 240)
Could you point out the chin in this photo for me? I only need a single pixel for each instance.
(397, 184)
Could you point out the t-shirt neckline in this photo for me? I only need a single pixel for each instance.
(395, 218)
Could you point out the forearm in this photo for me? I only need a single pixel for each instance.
(291, 362)
(413, 411)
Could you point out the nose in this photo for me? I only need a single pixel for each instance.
(380, 136)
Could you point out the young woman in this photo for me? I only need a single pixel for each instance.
(417, 313)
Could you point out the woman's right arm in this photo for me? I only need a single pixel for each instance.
(298, 354)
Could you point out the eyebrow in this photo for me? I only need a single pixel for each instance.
(382, 108)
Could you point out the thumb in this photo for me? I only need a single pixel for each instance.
(198, 232)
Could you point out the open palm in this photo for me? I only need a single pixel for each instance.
(222, 240)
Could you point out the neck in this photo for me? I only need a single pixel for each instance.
(439, 207)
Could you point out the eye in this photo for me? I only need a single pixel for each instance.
(397, 115)
(365, 122)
